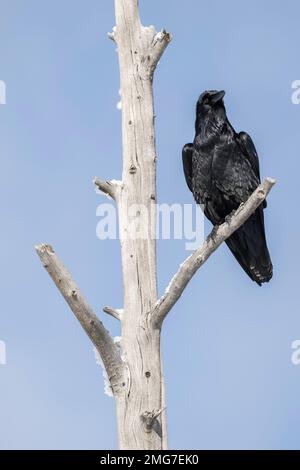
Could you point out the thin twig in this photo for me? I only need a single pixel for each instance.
(117, 314)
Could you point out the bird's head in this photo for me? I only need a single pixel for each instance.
(209, 104)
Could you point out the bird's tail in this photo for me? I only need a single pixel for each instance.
(249, 246)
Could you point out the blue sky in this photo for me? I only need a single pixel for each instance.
(231, 383)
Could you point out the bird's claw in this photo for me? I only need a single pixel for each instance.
(213, 233)
(229, 217)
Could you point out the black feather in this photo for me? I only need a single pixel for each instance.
(187, 155)
(221, 169)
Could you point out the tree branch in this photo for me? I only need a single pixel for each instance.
(93, 327)
(158, 45)
(113, 312)
(106, 187)
(191, 265)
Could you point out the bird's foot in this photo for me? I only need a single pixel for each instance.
(213, 233)
(229, 217)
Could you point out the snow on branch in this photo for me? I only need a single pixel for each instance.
(218, 235)
(107, 386)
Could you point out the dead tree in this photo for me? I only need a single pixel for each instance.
(135, 373)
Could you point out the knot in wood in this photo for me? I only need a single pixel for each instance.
(132, 169)
(149, 419)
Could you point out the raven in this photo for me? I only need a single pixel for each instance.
(221, 169)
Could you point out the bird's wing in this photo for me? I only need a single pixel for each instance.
(233, 175)
(187, 160)
(248, 148)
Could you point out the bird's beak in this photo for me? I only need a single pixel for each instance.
(217, 97)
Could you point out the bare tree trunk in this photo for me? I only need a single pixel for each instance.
(136, 375)
(140, 404)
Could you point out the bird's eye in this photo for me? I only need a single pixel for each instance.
(205, 101)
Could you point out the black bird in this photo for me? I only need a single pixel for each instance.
(221, 169)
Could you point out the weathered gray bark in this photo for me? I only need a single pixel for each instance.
(93, 327)
(136, 377)
(139, 405)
